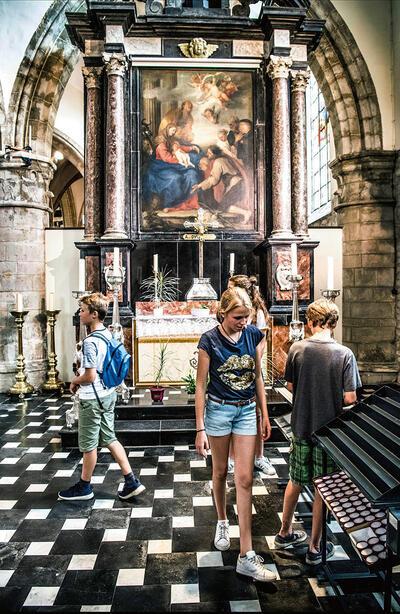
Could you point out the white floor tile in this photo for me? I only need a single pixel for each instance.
(41, 596)
(335, 527)
(181, 447)
(202, 501)
(165, 493)
(234, 530)
(55, 427)
(259, 490)
(37, 488)
(182, 477)
(96, 608)
(82, 561)
(253, 509)
(141, 512)
(6, 535)
(8, 480)
(136, 453)
(159, 546)
(209, 559)
(36, 467)
(53, 417)
(34, 450)
(12, 444)
(182, 521)
(246, 605)
(35, 436)
(11, 460)
(284, 449)
(39, 548)
(185, 593)
(13, 431)
(270, 541)
(114, 467)
(64, 473)
(5, 575)
(72, 524)
(130, 577)
(166, 459)
(148, 471)
(97, 479)
(339, 555)
(115, 535)
(37, 514)
(103, 504)
(198, 463)
(34, 423)
(55, 440)
(277, 461)
(60, 455)
(7, 504)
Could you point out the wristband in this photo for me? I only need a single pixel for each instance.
(199, 430)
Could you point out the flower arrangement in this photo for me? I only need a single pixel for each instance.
(162, 286)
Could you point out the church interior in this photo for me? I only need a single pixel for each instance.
(150, 150)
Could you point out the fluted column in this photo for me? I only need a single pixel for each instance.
(278, 70)
(115, 64)
(300, 80)
(92, 78)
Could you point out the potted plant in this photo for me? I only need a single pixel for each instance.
(157, 391)
(190, 386)
(161, 287)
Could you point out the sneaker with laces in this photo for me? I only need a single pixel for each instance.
(264, 465)
(315, 558)
(296, 537)
(252, 565)
(231, 465)
(132, 488)
(77, 492)
(222, 540)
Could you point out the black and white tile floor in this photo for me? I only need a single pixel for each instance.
(154, 554)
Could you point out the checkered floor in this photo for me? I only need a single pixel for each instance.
(154, 554)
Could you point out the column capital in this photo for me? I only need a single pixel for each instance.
(278, 66)
(91, 75)
(115, 63)
(300, 79)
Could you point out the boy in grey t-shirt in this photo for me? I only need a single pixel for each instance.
(323, 376)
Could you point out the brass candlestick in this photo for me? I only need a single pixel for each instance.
(52, 383)
(21, 386)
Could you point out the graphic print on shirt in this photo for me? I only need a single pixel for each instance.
(229, 372)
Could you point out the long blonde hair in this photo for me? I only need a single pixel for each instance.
(250, 285)
(231, 299)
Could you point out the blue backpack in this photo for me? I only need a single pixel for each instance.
(116, 362)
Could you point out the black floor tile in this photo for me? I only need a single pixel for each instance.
(78, 542)
(141, 599)
(87, 587)
(174, 568)
(215, 583)
(122, 555)
(12, 597)
(150, 528)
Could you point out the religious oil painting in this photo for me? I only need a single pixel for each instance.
(197, 148)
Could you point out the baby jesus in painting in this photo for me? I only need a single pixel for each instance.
(181, 155)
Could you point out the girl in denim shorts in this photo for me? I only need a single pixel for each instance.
(230, 361)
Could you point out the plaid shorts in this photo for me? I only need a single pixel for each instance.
(306, 461)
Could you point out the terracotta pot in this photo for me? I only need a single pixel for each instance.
(157, 394)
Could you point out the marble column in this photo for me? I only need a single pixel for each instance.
(278, 70)
(93, 152)
(115, 147)
(300, 80)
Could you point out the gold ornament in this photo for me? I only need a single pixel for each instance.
(197, 48)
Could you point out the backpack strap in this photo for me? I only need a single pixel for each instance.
(107, 341)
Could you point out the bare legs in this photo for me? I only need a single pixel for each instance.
(244, 446)
(316, 529)
(292, 493)
(90, 460)
(259, 450)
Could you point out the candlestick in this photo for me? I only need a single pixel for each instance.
(329, 276)
(20, 302)
(155, 263)
(293, 253)
(21, 386)
(231, 264)
(52, 381)
(116, 261)
(82, 275)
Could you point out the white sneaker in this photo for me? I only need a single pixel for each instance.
(222, 540)
(231, 465)
(252, 565)
(264, 465)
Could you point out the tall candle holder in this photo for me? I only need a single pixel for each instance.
(52, 381)
(296, 327)
(331, 295)
(21, 386)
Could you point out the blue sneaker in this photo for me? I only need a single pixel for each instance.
(77, 492)
(132, 488)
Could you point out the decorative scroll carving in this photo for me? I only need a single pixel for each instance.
(281, 276)
(197, 48)
(278, 66)
(91, 75)
(115, 63)
(300, 79)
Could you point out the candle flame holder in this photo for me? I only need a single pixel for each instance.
(114, 280)
(52, 382)
(21, 386)
(296, 326)
(331, 295)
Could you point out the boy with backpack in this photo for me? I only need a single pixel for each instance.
(104, 362)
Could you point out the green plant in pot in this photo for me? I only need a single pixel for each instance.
(161, 287)
(190, 386)
(157, 391)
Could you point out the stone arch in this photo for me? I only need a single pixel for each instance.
(42, 76)
(346, 84)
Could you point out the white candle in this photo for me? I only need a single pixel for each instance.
(293, 254)
(155, 263)
(20, 305)
(50, 306)
(231, 262)
(329, 276)
(116, 270)
(82, 275)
